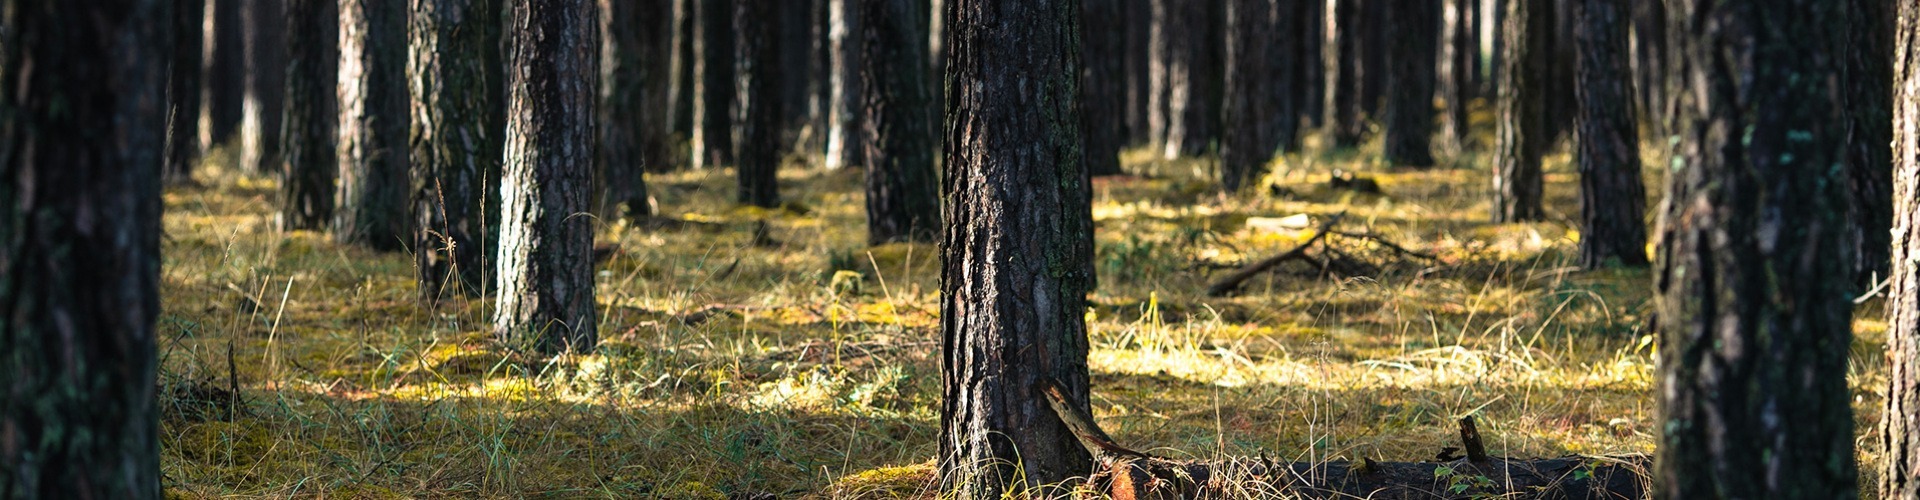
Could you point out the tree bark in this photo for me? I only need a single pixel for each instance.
(1344, 123)
(1521, 136)
(1137, 17)
(844, 34)
(1018, 251)
(454, 58)
(1900, 422)
(225, 77)
(1246, 141)
(373, 199)
(714, 104)
(1286, 54)
(546, 299)
(1311, 65)
(681, 101)
(1193, 76)
(266, 54)
(1869, 104)
(308, 159)
(83, 86)
(1459, 51)
(635, 65)
(1754, 325)
(1413, 27)
(1160, 28)
(1375, 50)
(1650, 62)
(903, 198)
(183, 92)
(1613, 228)
(757, 22)
(1103, 84)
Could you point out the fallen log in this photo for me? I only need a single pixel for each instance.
(1233, 281)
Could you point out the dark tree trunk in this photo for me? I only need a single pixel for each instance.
(225, 77)
(1561, 105)
(1754, 310)
(308, 162)
(373, 200)
(844, 35)
(1613, 228)
(1497, 55)
(1286, 56)
(83, 88)
(546, 251)
(1246, 141)
(1375, 51)
(937, 65)
(1521, 136)
(1344, 123)
(1193, 76)
(681, 100)
(266, 54)
(1137, 39)
(1459, 51)
(1900, 422)
(1413, 27)
(454, 48)
(1312, 64)
(713, 135)
(1650, 62)
(1017, 255)
(183, 91)
(758, 23)
(903, 198)
(1103, 84)
(794, 43)
(1869, 104)
(635, 68)
(1472, 23)
(1160, 29)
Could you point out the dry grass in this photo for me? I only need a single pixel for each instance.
(733, 370)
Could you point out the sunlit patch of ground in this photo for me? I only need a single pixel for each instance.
(805, 363)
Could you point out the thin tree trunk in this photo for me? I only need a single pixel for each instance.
(308, 162)
(1650, 62)
(794, 43)
(454, 48)
(1375, 54)
(1344, 122)
(1754, 310)
(83, 86)
(844, 34)
(903, 197)
(1869, 103)
(1246, 143)
(266, 55)
(1456, 76)
(1103, 84)
(713, 135)
(1287, 55)
(373, 197)
(1517, 182)
(183, 91)
(635, 65)
(758, 23)
(226, 72)
(1900, 422)
(683, 81)
(1138, 37)
(1413, 27)
(1193, 77)
(1613, 228)
(1017, 254)
(1560, 105)
(546, 300)
(1160, 29)
(1312, 64)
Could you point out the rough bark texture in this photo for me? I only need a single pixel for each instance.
(1753, 303)
(83, 87)
(225, 76)
(903, 197)
(546, 246)
(761, 104)
(1193, 76)
(1017, 254)
(1869, 103)
(1613, 228)
(844, 35)
(1345, 124)
(1521, 134)
(264, 23)
(454, 61)
(1900, 422)
(1413, 27)
(635, 64)
(372, 207)
(183, 91)
(308, 164)
(1103, 84)
(1456, 79)
(1246, 141)
(714, 103)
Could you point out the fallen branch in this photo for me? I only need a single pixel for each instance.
(1233, 281)
(1389, 244)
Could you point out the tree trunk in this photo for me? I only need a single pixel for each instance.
(83, 86)
(1137, 16)
(1018, 252)
(1900, 422)
(454, 48)
(758, 23)
(903, 198)
(1103, 84)
(635, 64)
(1754, 312)
(1246, 141)
(183, 92)
(373, 199)
(1285, 56)
(1613, 228)
(1650, 62)
(1521, 129)
(794, 43)
(1160, 29)
(683, 81)
(546, 251)
(1497, 48)
(1344, 123)
(844, 35)
(1458, 47)
(1869, 103)
(226, 72)
(1193, 76)
(1413, 27)
(1375, 49)
(1311, 93)
(937, 65)
(266, 54)
(308, 162)
(713, 136)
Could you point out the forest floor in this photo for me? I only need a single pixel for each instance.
(802, 362)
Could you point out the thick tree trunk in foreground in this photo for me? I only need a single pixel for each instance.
(83, 87)
(844, 36)
(714, 101)
(1869, 104)
(1103, 84)
(1344, 123)
(761, 105)
(1413, 26)
(373, 197)
(183, 92)
(454, 48)
(1246, 140)
(1613, 208)
(1900, 423)
(634, 70)
(225, 77)
(266, 53)
(308, 163)
(1018, 248)
(1193, 76)
(1755, 317)
(546, 249)
(1456, 80)
(903, 196)
(1521, 127)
